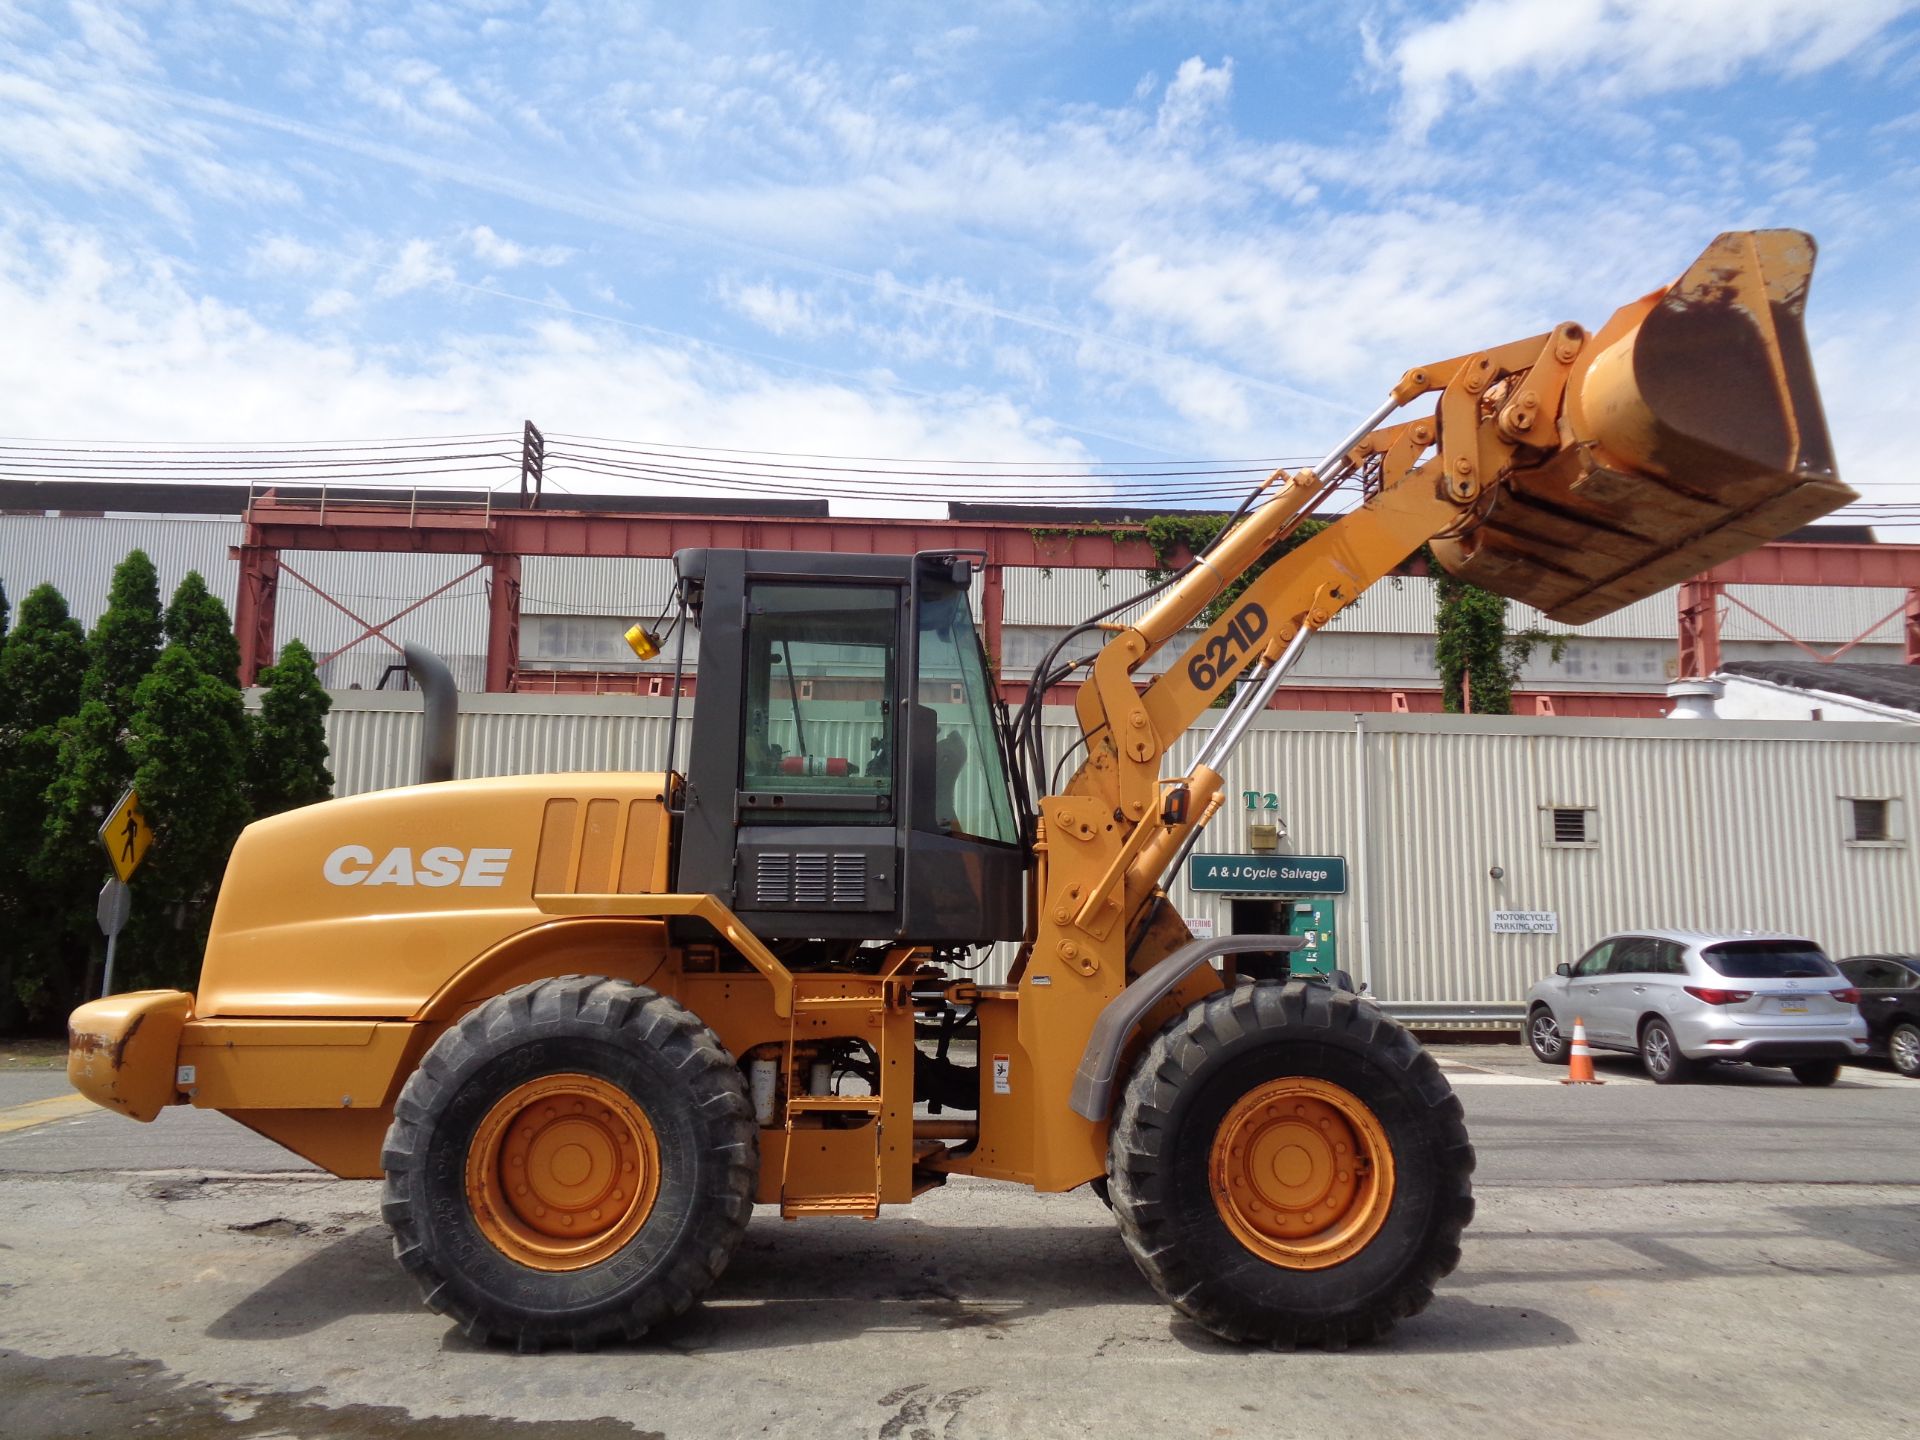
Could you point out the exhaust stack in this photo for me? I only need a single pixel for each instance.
(440, 722)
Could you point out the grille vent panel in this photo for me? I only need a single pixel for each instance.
(849, 879)
(773, 879)
(814, 878)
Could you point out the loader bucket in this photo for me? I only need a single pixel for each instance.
(1692, 433)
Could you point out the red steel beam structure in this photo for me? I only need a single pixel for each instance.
(503, 537)
(1891, 567)
(1699, 628)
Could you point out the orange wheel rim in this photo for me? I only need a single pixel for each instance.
(1302, 1173)
(562, 1172)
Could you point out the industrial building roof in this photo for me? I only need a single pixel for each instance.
(1895, 686)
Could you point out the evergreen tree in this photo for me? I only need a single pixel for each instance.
(91, 770)
(94, 766)
(289, 761)
(6, 611)
(197, 620)
(44, 659)
(40, 671)
(126, 641)
(190, 758)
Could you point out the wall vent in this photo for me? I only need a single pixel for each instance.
(1569, 825)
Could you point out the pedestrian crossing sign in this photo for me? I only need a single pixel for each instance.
(127, 836)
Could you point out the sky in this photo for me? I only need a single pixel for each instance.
(1094, 233)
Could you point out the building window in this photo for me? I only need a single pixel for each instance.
(1870, 820)
(1569, 826)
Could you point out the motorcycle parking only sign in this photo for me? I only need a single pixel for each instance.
(1526, 922)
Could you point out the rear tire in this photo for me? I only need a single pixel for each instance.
(1264, 1072)
(1816, 1072)
(1549, 1046)
(573, 1162)
(1660, 1055)
(1903, 1049)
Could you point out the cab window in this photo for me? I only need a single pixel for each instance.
(969, 794)
(821, 662)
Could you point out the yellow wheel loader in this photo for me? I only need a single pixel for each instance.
(581, 1024)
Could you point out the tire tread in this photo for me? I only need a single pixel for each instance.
(632, 1016)
(1292, 1013)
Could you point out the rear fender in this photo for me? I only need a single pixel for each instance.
(630, 949)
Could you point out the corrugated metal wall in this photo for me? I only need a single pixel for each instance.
(1403, 605)
(563, 585)
(1727, 825)
(78, 556)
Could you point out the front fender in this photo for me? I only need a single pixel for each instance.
(1093, 1083)
(122, 1051)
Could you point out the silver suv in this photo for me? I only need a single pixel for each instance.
(1682, 998)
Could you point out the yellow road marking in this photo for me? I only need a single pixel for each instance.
(41, 1112)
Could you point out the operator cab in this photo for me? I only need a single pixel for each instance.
(847, 772)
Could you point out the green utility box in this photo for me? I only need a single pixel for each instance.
(1313, 921)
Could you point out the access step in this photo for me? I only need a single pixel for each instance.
(834, 1104)
(859, 1207)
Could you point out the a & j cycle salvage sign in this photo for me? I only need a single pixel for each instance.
(1269, 874)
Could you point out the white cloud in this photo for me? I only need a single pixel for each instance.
(1178, 265)
(419, 265)
(128, 350)
(419, 95)
(115, 36)
(504, 254)
(777, 309)
(1619, 48)
(331, 303)
(287, 255)
(1196, 96)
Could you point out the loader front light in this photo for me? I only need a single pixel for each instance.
(643, 642)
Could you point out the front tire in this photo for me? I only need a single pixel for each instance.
(1290, 1167)
(573, 1162)
(1549, 1046)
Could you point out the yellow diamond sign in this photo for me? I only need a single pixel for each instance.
(127, 836)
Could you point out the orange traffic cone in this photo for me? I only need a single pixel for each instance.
(1580, 1058)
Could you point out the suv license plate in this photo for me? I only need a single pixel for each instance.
(1793, 1007)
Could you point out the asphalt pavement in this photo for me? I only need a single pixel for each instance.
(1730, 1258)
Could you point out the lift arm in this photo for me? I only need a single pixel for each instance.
(1570, 471)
